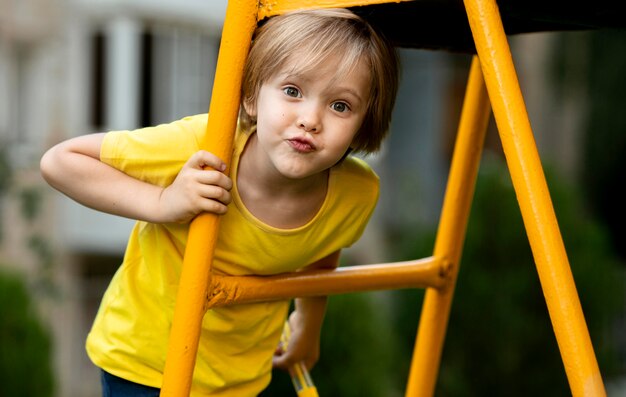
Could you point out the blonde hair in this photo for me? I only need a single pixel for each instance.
(320, 34)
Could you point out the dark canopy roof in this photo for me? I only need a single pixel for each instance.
(442, 24)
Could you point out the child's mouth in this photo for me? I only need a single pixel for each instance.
(301, 145)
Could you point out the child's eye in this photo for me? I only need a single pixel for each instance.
(292, 92)
(340, 107)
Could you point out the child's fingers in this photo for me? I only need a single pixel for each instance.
(214, 178)
(203, 159)
(214, 192)
(212, 206)
(281, 360)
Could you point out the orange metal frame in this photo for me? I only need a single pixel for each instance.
(492, 84)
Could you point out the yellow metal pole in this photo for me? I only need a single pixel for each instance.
(419, 273)
(239, 25)
(451, 234)
(534, 199)
(271, 8)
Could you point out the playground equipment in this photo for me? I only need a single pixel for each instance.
(492, 84)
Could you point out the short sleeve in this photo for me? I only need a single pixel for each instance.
(154, 154)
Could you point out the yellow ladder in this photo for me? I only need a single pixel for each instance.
(492, 84)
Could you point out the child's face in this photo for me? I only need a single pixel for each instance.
(306, 122)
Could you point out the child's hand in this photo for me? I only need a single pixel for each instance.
(304, 345)
(201, 186)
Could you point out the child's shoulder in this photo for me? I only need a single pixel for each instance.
(195, 123)
(355, 184)
(355, 174)
(354, 167)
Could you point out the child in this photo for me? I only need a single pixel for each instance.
(317, 85)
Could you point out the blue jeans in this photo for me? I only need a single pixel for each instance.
(113, 386)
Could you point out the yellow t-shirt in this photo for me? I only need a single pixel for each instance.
(130, 334)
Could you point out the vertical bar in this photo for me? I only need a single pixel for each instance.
(239, 25)
(451, 234)
(534, 199)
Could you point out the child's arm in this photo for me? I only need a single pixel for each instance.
(74, 168)
(306, 325)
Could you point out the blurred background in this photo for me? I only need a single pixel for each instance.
(72, 67)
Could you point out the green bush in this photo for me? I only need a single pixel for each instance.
(591, 65)
(25, 368)
(500, 340)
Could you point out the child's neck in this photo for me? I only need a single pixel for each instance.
(274, 199)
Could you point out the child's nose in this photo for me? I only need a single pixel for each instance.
(308, 127)
(310, 119)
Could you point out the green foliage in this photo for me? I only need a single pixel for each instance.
(44, 282)
(31, 202)
(5, 177)
(25, 367)
(500, 340)
(357, 351)
(605, 135)
(5, 169)
(591, 64)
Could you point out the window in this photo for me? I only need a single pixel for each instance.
(176, 71)
(99, 76)
(178, 67)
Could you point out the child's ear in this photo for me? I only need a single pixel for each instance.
(250, 106)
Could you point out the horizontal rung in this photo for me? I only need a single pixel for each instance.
(420, 273)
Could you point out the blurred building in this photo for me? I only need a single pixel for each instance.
(71, 67)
